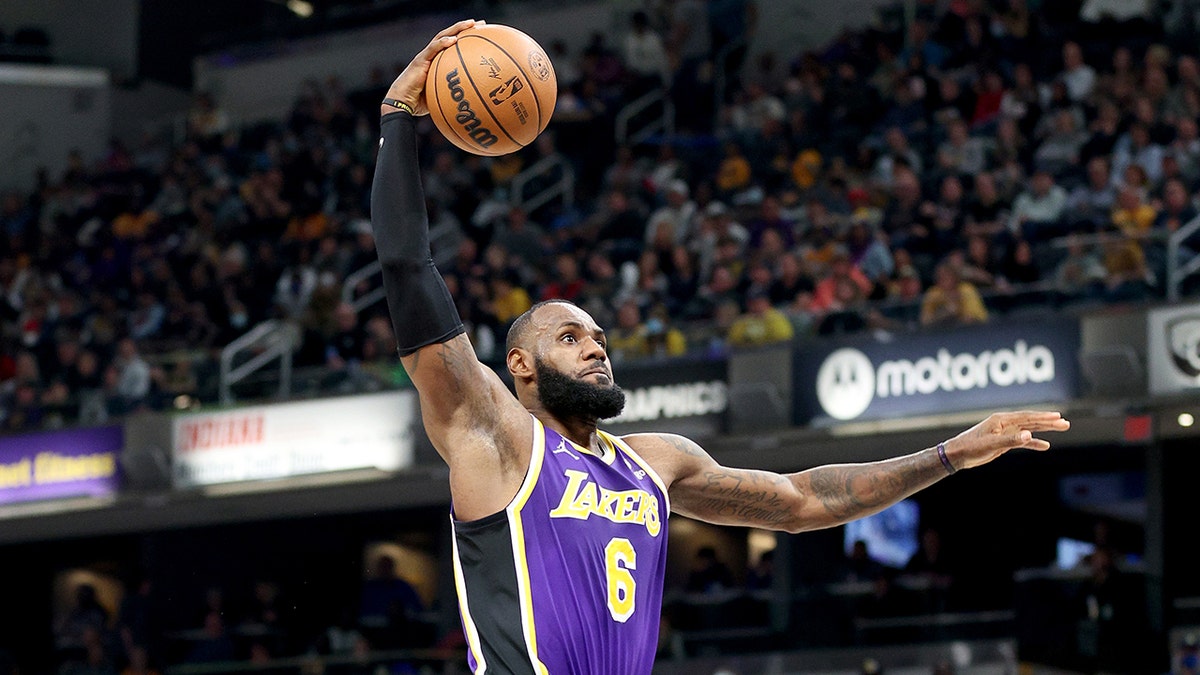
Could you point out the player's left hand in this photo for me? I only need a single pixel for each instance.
(1002, 432)
(409, 85)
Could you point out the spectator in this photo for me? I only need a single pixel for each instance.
(930, 566)
(709, 574)
(1079, 77)
(761, 323)
(761, 575)
(1037, 212)
(671, 223)
(214, 645)
(139, 663)
(1058, 152)
(132, 374)
(1111, 618)
(1090, 205)
(388, 605)
(859, 565)
(1081, 274)
(951, 301)
(86, 620)
(645, 55)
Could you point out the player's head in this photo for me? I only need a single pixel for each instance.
(557, 357)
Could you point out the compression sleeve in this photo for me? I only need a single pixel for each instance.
(422, 311)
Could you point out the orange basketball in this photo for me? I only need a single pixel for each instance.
(493, 91)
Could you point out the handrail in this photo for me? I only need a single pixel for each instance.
(664, 124)
(1177, 271)
(279, 344)
(564, 187)
(356, 277)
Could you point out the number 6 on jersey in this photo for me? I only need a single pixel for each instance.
(619, 558)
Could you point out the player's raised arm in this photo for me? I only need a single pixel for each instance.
(830, 495)
(472, 419)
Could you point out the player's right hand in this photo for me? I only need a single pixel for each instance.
(409, 86)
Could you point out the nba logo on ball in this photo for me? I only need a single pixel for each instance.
(493, 91)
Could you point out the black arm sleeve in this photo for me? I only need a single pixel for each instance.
(423, 313)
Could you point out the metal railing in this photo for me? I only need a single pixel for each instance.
(357, 277)
(546, 167)
(664, 123)
(267, 341)
(1179, 270)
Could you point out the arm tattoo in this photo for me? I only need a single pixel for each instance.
(684, 445)
(734, 495)
(849, 491)
(747, 497)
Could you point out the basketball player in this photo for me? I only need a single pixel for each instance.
(560, 528)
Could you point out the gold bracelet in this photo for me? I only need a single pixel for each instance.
(400, 104)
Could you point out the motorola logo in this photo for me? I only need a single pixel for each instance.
(1183, 341)
(846, 384)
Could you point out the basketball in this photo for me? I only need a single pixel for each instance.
(493, 91)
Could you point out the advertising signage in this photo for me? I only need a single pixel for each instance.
(997, 365)
(293, 439)
(686, 396)
(60, 464)
(1173, 349)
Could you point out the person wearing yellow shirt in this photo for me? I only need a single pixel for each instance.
(761, 324)
(733, 174)
(951, 301)
(1133, 216)
(509, 299)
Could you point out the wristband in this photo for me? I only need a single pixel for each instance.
(396, 103)
(941, 450)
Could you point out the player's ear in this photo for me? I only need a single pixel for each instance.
(519, 362)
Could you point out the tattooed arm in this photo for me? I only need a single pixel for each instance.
(828, 495)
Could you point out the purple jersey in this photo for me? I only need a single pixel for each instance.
(568, 579)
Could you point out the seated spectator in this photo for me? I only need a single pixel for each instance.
(1090, 205)
(1081, 274)
(1125, 269)
(825, 295)
(132, 377)
(859, 565)
(761, 575)
(1132, 215)
(761, 324)
(978, 264)
(627, 339)
(388, 605)
(987, 210)
(1136, 147)
(1037, 212)
(951, 301)
(215, 645)
(708, 574)
(663, 339)
(1059, 150)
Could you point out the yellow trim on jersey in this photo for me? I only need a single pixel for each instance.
(617, 442)
(606, 457)
(464, 611)
(524, 592)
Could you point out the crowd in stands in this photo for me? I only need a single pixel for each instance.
(983, 158)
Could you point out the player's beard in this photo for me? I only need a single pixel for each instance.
(566, 397)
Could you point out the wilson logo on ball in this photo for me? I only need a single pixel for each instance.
(466, 116)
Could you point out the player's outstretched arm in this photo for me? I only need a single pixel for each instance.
(477, 426)
(828, 495)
